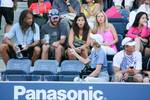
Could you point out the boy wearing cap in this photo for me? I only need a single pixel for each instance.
(97, 61)
(128, 62)
(53, 35)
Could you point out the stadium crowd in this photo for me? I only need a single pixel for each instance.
(81, 29)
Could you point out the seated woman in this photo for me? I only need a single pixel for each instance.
(108, 33)
(78, 37)
(97, 61)
(140, 31)
(90, 9)
(40, 10)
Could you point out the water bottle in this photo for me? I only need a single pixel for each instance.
(46, 38)
(18, 53)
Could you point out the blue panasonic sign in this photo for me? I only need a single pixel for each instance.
(62, 94)
(73, 91)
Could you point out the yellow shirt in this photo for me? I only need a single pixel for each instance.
(85, 9)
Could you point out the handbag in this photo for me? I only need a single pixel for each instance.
(87, 70)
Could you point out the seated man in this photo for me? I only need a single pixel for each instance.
(27, 36)
(66, 6)
(53, 35)
(128, 62)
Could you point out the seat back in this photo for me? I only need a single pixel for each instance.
(19, 64)
(17, 70)
(70, 69)
(119, 46)
(44, 67)
(119, 24)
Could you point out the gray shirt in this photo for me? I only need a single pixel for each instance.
(55, 32)
(62, 6)
(25, 38)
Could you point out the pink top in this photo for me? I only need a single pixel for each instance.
(134, 32)
(108, 37)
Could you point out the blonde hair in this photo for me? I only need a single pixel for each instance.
(106, 24)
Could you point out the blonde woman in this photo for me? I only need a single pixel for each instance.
(108, 33)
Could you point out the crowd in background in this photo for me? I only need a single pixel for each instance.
(79, 29)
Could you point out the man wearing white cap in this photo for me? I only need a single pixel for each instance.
(97, 61)
(128, 62)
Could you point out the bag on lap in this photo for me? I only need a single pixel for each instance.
(87, 70)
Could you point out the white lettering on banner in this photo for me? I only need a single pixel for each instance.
(37, 94)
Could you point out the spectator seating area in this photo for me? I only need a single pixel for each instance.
(44, 70)
(49, 70)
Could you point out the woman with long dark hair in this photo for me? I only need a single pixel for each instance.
(78, 37)
(140, 31)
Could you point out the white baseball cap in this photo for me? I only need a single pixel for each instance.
(97, 37)
(128, 41)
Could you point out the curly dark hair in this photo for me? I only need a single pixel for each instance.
(76, 28)
(22, 17)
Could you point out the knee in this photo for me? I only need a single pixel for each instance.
(69, 53)
(37, 50)
(118, 76)
(59, 49)
(146, 80)
(3, 47)
(138, 78)
(45, 48)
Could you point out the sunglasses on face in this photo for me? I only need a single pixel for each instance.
(54, 18)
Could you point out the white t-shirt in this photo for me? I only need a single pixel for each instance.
(6, 3)
(117, 60)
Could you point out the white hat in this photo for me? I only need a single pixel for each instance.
(97, 37)
(128, 41)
